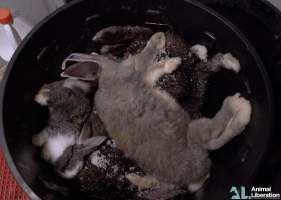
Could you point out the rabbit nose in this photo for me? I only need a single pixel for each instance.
(42, 97)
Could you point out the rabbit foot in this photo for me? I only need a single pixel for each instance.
(42, 97)
(241, 112)
(200, 51)
(230, 62)
(142, 182)
(159, 69)
(171, 65)
(236, 112)
(227, 61)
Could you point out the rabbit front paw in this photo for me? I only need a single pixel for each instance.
(200, 51)
(230, 62)
(171, 65)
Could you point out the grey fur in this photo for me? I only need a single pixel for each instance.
(71, 117)
(150, 127)
(187, 84)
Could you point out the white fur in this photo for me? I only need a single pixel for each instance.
(56, 145)
(230, 62)
(72, 83)
(41, 97)
(70, 173)
(200, 50)
(240, 109)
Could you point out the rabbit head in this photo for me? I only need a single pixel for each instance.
(68, 99)
(66, 136)
(62, 92)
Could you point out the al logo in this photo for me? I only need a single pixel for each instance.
(239, 193)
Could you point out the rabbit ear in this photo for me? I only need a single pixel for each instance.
(92, 142)
(87, 66)
(71, 83)
(88, 71)
(89, 145)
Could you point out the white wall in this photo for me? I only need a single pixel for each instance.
(33, 10)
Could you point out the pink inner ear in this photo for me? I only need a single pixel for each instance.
(83, 70)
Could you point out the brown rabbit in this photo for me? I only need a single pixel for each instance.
(149, 126)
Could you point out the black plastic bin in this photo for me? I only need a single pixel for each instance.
(71, 28)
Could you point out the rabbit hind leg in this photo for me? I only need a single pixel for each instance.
(226, 61)
(229, 122)
(236, 112)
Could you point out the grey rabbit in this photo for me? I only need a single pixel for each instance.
(187, 84)
(149, 126)
(68, 137)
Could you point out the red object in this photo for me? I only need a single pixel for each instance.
(9, 189)
(5, 16)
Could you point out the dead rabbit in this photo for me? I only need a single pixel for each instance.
(148, 125)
